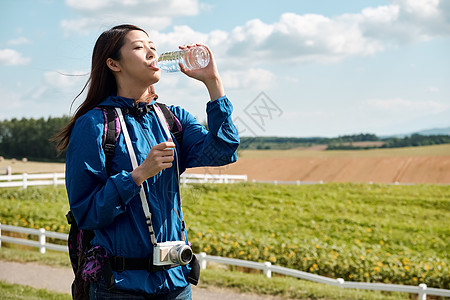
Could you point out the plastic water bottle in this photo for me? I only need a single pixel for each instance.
(192, 58)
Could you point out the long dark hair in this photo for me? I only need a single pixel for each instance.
(101, 82)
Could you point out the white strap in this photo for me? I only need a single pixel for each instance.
(162, 119)
(165, 125)
(131, 153)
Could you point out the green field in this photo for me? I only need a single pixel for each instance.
(360, 232)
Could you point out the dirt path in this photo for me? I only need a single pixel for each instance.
(60, 280)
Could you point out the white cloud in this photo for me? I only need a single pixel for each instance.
(139, 7)
(11, 57)
(433, 89)
(421, 8)
(84, 26)
(64, 80)
(257, 79)
(10, 101)
(179, 36)
(405, 107)
(293, 38)
(18, 41)
(149, 14)
(315, 37)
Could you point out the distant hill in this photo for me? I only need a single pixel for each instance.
(433, 131)
(350, 142)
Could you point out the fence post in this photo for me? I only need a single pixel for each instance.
(42, 240)
(9, 172)
(267, 270)
(422, 292)
(202, 260)
(25, 180)
(340, 281)
(55, 179)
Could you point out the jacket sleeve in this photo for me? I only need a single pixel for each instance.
(95, 199)
(216, 147)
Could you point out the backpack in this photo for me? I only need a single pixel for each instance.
(82, 255)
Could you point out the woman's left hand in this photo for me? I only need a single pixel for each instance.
(209, 75)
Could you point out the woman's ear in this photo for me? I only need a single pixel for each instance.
(113, 65)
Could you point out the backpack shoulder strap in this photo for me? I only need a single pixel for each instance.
(110, 136)
(172, 121)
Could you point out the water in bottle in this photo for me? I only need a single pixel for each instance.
(192, 58)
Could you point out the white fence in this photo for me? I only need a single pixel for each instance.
(422, 290)
(211, 178)
(25, 180)
(41, 243)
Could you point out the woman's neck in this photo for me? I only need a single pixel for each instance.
(137, 95)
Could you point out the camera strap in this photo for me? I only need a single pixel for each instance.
(134, 164)
(131, 153)
(166, 127)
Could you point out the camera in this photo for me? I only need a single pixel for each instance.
(170, 253)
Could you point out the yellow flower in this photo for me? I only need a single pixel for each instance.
(369, 229)
(366, 274)
(362, 257)
(427, 267)
(406, 268)
(414, 278)
(380, 264)
(381, 242)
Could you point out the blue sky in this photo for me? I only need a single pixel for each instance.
(291, 68)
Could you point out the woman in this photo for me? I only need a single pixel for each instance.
(123, 73)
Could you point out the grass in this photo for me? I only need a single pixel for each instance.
(360, 232)
(287, 287)
(21, 292)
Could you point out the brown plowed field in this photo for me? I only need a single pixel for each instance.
(404, 165)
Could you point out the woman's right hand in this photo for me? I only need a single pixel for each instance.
(159, 158)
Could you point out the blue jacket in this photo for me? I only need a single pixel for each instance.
(111, 206)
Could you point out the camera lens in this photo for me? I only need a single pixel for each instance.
(186, 255)
(181, 255)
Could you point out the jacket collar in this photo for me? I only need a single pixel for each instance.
(117, 101)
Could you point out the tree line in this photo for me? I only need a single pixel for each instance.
(30, 138)
(414, 140)
(345, 142)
